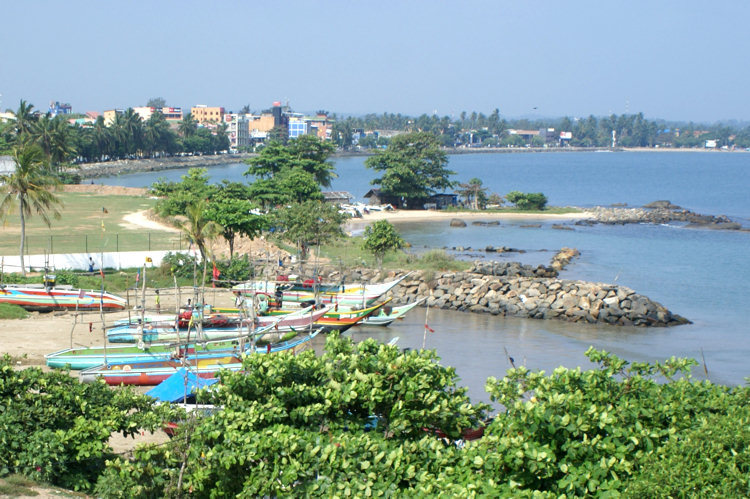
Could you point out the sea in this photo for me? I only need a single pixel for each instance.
(700, 274)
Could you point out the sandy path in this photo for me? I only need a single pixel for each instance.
(138, 220)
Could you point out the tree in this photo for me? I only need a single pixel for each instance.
(309, 223)
(230, 207)
(474, 193)
(187, 126)
(31, 186)
(157, 102)
(413, 168)
(24, 120)
(175, 197)
(527, 201)
(380, 238)
(198, 228)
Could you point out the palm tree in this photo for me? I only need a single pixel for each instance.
(24, 120)
(198, 228)
(30, 186)
(188, 125)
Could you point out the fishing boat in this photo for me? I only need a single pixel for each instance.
(159, 332)
(86, 357)
(42, 298)
(344, 319)
(388, 314)
(297, 292)
(206, 366)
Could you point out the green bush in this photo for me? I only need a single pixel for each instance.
(66, 277)
(527, 201)
(180, 265)
(11, 311)
(238, 270)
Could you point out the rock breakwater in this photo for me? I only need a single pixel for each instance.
(522, 296)
(658, 212)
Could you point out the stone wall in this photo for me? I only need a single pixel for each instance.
(520, 296)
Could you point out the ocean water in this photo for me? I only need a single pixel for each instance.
(701, 274)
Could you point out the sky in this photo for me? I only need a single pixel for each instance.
(673, 60)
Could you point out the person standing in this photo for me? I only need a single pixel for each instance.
(91, 264)
(158, 302)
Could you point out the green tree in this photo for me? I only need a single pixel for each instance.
(31, 186)
(380, 238)
(309, 223)
(198, 228)
(156, 102)
(474, 194)
(527, 201)
(25, 120)
(187, 126)
(175, 197)
(231, 208)
(413, 167)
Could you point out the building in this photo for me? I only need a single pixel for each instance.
(110, 115)
(238, 130)
(441, 201)
(297, 126)
(7, 165)
(337, 197)
(375, 197)
(205, 115)
(56, 107)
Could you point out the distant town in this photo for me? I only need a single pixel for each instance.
(144, 131)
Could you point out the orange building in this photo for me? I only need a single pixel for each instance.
(205, 114)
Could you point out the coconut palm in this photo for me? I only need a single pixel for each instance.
(198, 228)
(24, 121)
(188, 125)
(31, 187)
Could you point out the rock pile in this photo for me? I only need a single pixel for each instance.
(523, 296)
(658, 212)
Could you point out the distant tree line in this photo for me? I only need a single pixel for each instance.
(631, 130)
(127, 137)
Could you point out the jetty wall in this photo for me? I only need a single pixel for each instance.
(521, 296)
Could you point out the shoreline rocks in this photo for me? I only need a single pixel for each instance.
(521, 296)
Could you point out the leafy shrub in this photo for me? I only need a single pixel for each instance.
(238, 270)
(527, 201)
(66, 277)
(179, 264)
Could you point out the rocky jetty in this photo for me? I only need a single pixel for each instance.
(123, 166)
(516, 294)
(658, 212)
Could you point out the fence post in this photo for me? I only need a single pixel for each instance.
(117, 242)
(51, 247)
(149, 241)
(86, 238)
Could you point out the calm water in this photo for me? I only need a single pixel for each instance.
(702, 275)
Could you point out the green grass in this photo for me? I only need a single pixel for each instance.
(10, 311)
(17, 485)
(349, 253)
(79, 230)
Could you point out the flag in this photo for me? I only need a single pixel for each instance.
(429, 328)
(216, 274)
(101, 272)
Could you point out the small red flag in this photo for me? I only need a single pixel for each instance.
(429, 328)
(101, 273)
(216, 274)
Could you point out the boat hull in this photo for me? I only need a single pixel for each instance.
(41, 299)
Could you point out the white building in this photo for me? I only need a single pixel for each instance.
(238, 130)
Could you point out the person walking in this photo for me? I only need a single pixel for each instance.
(158, 302)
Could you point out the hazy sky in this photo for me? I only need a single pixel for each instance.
(677, 60)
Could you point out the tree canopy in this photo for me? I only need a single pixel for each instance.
(309, 223)
(413, 167)
(380, 238)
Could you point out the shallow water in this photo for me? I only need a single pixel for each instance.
(700, 274)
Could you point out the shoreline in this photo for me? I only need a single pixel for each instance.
(128, 166)
(399, 216)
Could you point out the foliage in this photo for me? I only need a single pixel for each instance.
(230, 207)
(413, 167)
(349, 422)
(68, 277)
(293, 172)
(55, 429)
(710, 460)
(309, 223)
(178, 264)
(381, 237)
(527, 201)
(10, 311)
(197, 226)
(474, 194)
(175, 197)
(234, 271)
(588, 432)
(30, 189)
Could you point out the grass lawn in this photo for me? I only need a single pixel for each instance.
(79, 230)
